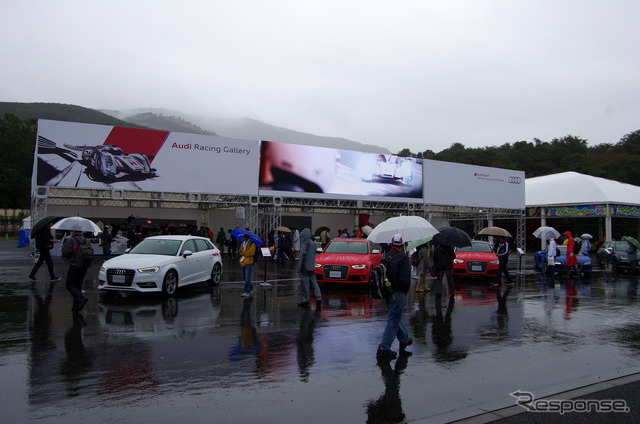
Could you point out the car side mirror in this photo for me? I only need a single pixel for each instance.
(375, 251)
(318, 249)
(187, 253)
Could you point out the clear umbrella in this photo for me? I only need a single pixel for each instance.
(410, 227)
(546, 233)
(77, 223)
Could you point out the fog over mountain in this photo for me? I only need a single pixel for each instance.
(243, 128)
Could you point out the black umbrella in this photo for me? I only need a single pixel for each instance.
(41, 224)
(452, 236)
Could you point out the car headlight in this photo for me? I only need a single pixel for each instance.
(318, 265)
(495, 262)
(103, 268)
(359, 266)
(458, 261)
(624, 258)
(588, 263)
(149, 270)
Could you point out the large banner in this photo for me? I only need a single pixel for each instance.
(457, 184)
(322, 172)
(97, 156)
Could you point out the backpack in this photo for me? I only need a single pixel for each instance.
(379, 286)
(83, 254)
(415, 259)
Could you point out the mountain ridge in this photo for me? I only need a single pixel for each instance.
(175, 121)
(248, 128)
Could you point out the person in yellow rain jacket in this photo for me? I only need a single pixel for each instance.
(247, 250)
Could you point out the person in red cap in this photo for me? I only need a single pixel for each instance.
(399, 274)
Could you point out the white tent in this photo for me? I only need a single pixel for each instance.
(574, 189)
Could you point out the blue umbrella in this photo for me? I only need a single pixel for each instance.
(239, 232)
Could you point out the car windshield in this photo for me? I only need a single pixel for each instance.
(475, 247)
(621, 246)
(156, 247)
(354, 247)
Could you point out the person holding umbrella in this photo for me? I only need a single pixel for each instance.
(503, 250)
(399, 274)
(443, 256)
(44, 243)
(247, 250)
(552, 251)
(77, 270)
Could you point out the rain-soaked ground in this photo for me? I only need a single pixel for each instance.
(209, 355)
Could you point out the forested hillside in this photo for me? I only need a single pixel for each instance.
(617, 161)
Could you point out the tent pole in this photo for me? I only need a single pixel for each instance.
(608, 229)
(543, 223)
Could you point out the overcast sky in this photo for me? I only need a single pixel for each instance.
(418, 74)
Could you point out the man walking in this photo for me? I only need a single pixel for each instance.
(247, 251)
(399, 274)
(77, 268)
(44, 242)
(306, 267)
(503, 251)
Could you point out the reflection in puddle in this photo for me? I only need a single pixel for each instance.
(215, 344)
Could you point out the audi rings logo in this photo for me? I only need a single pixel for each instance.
(119, 271)
(515, 180)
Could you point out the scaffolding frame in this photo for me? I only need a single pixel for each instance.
(263, 212)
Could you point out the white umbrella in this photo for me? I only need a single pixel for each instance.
(546, 233)
(77, 223)
(410, 227)
(367, 229)
(586, 236)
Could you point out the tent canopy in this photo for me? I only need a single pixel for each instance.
(573, 188)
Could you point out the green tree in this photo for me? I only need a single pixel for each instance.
(17, 143)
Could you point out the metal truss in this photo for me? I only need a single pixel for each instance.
(262, 213)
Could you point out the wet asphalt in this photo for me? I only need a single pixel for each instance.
(208, 355)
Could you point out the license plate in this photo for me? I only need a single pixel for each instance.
(335, 274)
(476, 268)
(117, 279)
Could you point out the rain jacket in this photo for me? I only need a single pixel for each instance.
(247, 251)
(571, 256)
(425, 263)
(307, 260)
(443, 257)
(398, 269)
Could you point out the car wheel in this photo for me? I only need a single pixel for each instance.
(216, 274)
(170, 283)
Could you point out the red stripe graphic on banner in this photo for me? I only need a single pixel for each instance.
(134, 140)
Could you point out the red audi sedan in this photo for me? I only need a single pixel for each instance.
(347, 261)
(477, 260)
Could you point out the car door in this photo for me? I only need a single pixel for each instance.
(189, 266)
(205, 257)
